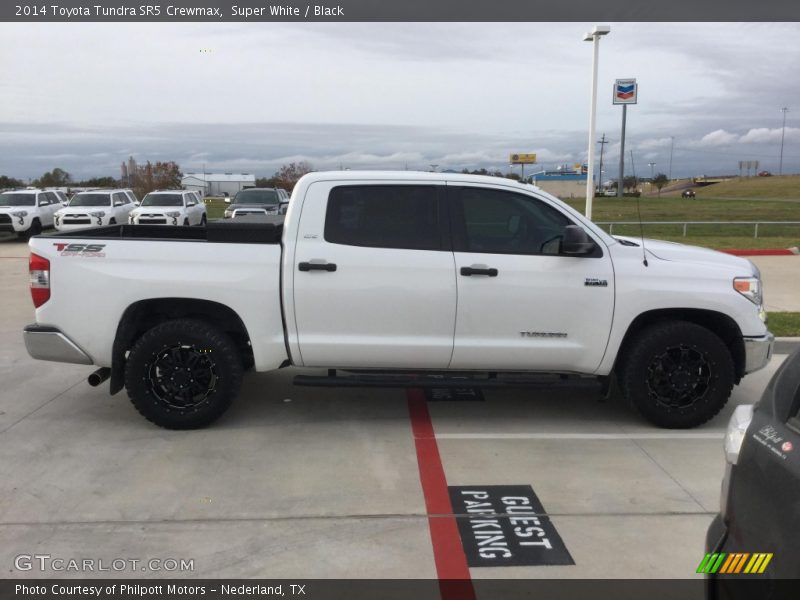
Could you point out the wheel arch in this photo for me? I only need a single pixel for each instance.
(718, 323)
(145, 314)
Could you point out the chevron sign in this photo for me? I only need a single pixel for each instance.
(625, 91)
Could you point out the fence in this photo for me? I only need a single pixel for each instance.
(686, 224)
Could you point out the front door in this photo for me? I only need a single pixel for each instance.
(522, 304)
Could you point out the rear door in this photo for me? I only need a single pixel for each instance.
(373, 276)
(522, 305)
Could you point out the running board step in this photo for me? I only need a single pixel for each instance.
(434, 381)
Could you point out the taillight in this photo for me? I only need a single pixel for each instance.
(40, 279)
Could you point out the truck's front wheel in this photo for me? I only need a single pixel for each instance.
(183, 374)
(677, 374)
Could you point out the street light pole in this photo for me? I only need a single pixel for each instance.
(783, 133)
(594, 37)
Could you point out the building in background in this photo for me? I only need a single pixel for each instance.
(563, 183)
(218, 184)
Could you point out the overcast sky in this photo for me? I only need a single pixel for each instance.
(84, 97)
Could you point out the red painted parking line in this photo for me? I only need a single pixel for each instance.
(448, 554)
(760, 252)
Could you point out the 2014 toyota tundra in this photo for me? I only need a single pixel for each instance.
(397, 279)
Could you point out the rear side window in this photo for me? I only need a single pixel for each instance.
(384, 216)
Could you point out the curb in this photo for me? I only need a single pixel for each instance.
(786, 345)
(762, 252)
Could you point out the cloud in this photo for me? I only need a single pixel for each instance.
(764, 135)
(720, 137)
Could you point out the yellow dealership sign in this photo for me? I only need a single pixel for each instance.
(522, 159)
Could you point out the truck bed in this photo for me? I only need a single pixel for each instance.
(243, 230)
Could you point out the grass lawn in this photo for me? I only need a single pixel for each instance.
(784, 324)
(704, 209)
(215, 207)
(786, 187)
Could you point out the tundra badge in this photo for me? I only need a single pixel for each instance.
(594, 282)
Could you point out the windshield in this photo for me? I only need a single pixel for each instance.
(257, 197)
(12, 199)
(163, 200)
(90, 200)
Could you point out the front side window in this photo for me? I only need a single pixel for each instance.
(499, 222)
(384, 216)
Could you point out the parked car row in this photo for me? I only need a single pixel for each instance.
(27, 212)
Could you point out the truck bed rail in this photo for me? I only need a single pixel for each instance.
(267, 230)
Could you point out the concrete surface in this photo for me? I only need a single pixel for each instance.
(781, 276)
(313, 483)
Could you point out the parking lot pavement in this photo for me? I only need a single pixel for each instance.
(306, 482)
(779, 274)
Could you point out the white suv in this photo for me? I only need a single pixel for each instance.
(27, 212)
(170, 207)
(95, 209)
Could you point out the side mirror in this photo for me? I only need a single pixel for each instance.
(227, 199)
(576, 241)
(138, 203)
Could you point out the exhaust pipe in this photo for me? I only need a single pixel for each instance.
(99, 376)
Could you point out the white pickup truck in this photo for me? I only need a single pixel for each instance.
(392, 279)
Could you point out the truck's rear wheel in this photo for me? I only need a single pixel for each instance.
(183, 374)
(677, 374)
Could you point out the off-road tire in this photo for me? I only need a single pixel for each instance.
(179, 342)
(679, 359)
(34, 229)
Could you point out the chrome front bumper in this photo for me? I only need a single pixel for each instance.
(48, 343)
(758, 352)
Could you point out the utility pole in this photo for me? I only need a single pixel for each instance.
(784, 110)
(602, 143)
(671, 148)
